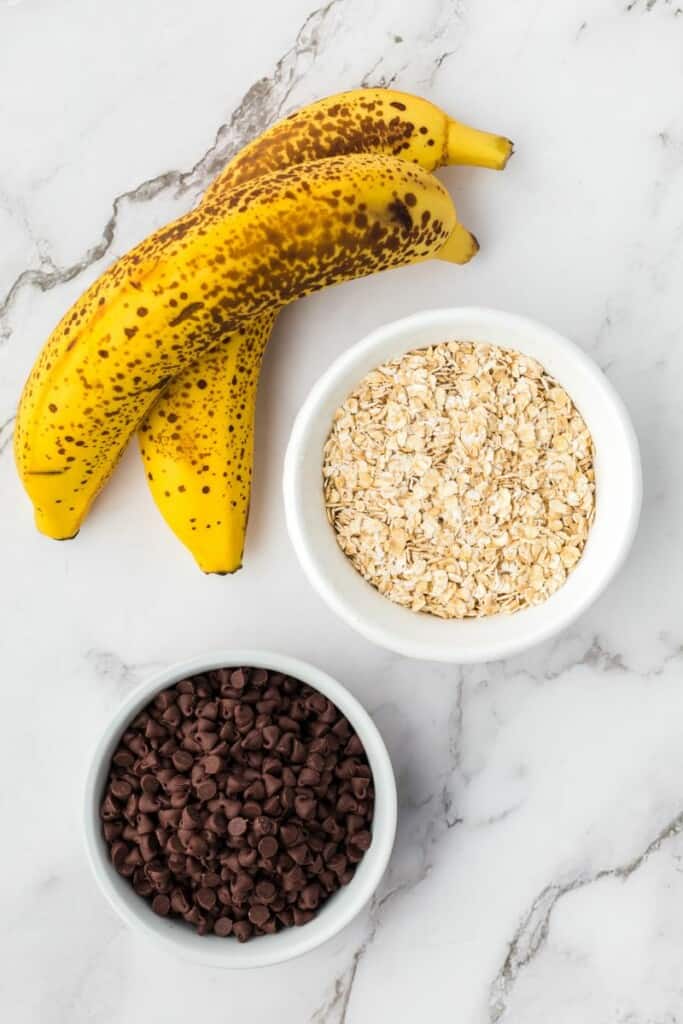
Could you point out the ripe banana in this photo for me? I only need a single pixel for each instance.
(200, 472)
(179, 292)
(364, 120)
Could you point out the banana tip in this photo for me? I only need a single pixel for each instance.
(510, 152)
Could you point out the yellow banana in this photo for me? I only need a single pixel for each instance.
(184, 288)
(364, 120)
(200, 473)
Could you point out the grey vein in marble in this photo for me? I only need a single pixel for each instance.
(335, 1010)
(6, 433)
(439, 822)
(262, 104)
(532, 932)
(110, 666)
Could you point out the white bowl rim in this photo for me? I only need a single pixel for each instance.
(449, 319)
(291, 942)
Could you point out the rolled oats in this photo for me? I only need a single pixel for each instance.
(459, 480)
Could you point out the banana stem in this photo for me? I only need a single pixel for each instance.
(465, 145)
(460, 247)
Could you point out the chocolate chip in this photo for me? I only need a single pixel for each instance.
(206, 898)
(237, 827)
(242, 930)
(258, 914)
(217, 822)
(222, 926)
(291, 834)
(309, 777)
(267, 847)
(246, 857)
(206, 790)
(304, 806)
(310, 897)
(299, 853)
(161, 905)
(182, 760)
(121, 789)
(190, 819)
(362, 840)
(197, 846)
(271, 784)
(179, 902)
(238, 679)
(242, 884)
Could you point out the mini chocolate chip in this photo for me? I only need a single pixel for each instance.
(238, 679)
(111, 830)
(217, 822)
(206, 790)
(354, 747)
(247, 857)
(206, 898)
(299, 853)
(182, 760)
(123, 759)
(242, 931)
(255, 791)
(359, 787)
(268, 847)
(190, 818)
(178, 784)
(309, 777)
(149, 847)
(148, 804)
(161, 905)
(291, 834)
(121, 789)
(241, 885)
(310, 897)
(362, 840)
(251, 809)
(186, 703)
(346, 803)
(304, 806)
(237, 827)
(207, 740)
(222, 926)
(197, 846)
(258, 914)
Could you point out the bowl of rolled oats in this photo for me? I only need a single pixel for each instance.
(462, 484)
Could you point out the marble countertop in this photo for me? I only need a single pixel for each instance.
(538, 869)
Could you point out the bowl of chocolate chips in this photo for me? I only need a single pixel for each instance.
(240, 808)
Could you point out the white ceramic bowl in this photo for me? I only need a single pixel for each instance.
(618, 491)
(291, 942)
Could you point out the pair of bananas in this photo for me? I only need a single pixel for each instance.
(168, 341)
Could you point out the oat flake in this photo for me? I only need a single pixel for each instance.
(459, 480)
